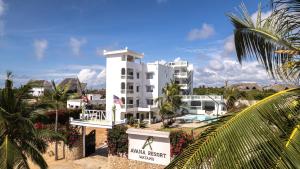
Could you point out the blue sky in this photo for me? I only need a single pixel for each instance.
(53, 39)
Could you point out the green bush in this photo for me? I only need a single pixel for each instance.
(63, 116)
(117, 139)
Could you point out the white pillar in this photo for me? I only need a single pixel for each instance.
(83, 140)
(149, 117)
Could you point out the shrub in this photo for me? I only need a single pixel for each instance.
(117, 139)
(179, 140)
(63, 116)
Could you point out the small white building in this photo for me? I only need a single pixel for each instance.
(74, 104)
(37, 91)
(39, 87)
(93, 99)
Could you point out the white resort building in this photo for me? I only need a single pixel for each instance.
(136, 85)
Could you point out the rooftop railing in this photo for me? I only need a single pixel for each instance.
(201, 97)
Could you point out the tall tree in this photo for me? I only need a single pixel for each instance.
(58, 94)
(170, 102)
(266, 134)
(19, 139)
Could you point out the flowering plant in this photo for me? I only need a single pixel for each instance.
(179, 140)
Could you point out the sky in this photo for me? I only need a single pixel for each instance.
(54, 39)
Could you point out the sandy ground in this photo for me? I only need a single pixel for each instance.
(98, 160)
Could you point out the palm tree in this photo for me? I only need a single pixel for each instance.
(19, 139)
(266, 134)
(59, 94)
(170, 102)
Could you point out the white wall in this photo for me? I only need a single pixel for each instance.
(37, 91)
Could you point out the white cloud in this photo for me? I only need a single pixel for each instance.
(40, 46)
(221, 66)
(229, 46)
(76, 45)
(220, 69)
(2, 8)
(264, 15)
(93, 78)
(177, 59)
(204, 32)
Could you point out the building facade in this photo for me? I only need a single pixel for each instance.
(138, 84)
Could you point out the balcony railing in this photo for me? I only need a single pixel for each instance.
(180, 63)
(93, 115)
(127, 106)
(129, 91)
(201, 97)
(181, 74)
(126, 76)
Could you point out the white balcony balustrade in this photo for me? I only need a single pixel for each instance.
(93, 115)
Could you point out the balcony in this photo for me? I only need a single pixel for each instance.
(127, 77)
(202, 97)
(181, 74)
(179, 64)
(128, 91)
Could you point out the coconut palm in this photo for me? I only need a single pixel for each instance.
(170, 102)
(58, 94)
(266, 134)
(19, 139)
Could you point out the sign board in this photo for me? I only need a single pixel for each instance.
(149, 146)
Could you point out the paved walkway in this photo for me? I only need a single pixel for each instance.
(98, 160)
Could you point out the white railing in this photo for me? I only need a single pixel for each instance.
(181, 74)
(93, 115)
(202, 97)
(180, 63)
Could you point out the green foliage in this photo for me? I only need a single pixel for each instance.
(63, 116)
(117, 140)
(19, 139)
(255, 137)
(170, 102)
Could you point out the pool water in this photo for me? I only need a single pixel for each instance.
(198, 117)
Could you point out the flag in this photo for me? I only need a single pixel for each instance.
(85, 99)
(117, 100)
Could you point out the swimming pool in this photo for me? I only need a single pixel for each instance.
(196, 117)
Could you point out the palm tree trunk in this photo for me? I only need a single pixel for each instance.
(56, 121)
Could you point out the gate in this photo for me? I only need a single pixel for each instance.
(90, 143)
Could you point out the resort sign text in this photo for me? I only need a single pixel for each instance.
(149, 146)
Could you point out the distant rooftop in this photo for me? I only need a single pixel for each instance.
(123, 51)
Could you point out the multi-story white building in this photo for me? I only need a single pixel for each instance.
(138, 84)
(183, 75)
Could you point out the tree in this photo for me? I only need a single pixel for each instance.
(19, 139)
(266, 134)
(170, 102)
(58, 94)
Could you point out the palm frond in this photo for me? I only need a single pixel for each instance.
(263, 40)
(9, 154)
(258, 131)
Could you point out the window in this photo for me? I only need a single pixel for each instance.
(122, 85)
(137, 103)
(137, 88)
(137, 115)
(123, 71)
(195, 103)
(137, 75)
(124, 58)
(149, 75)
(149, 101)
(149, 88)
